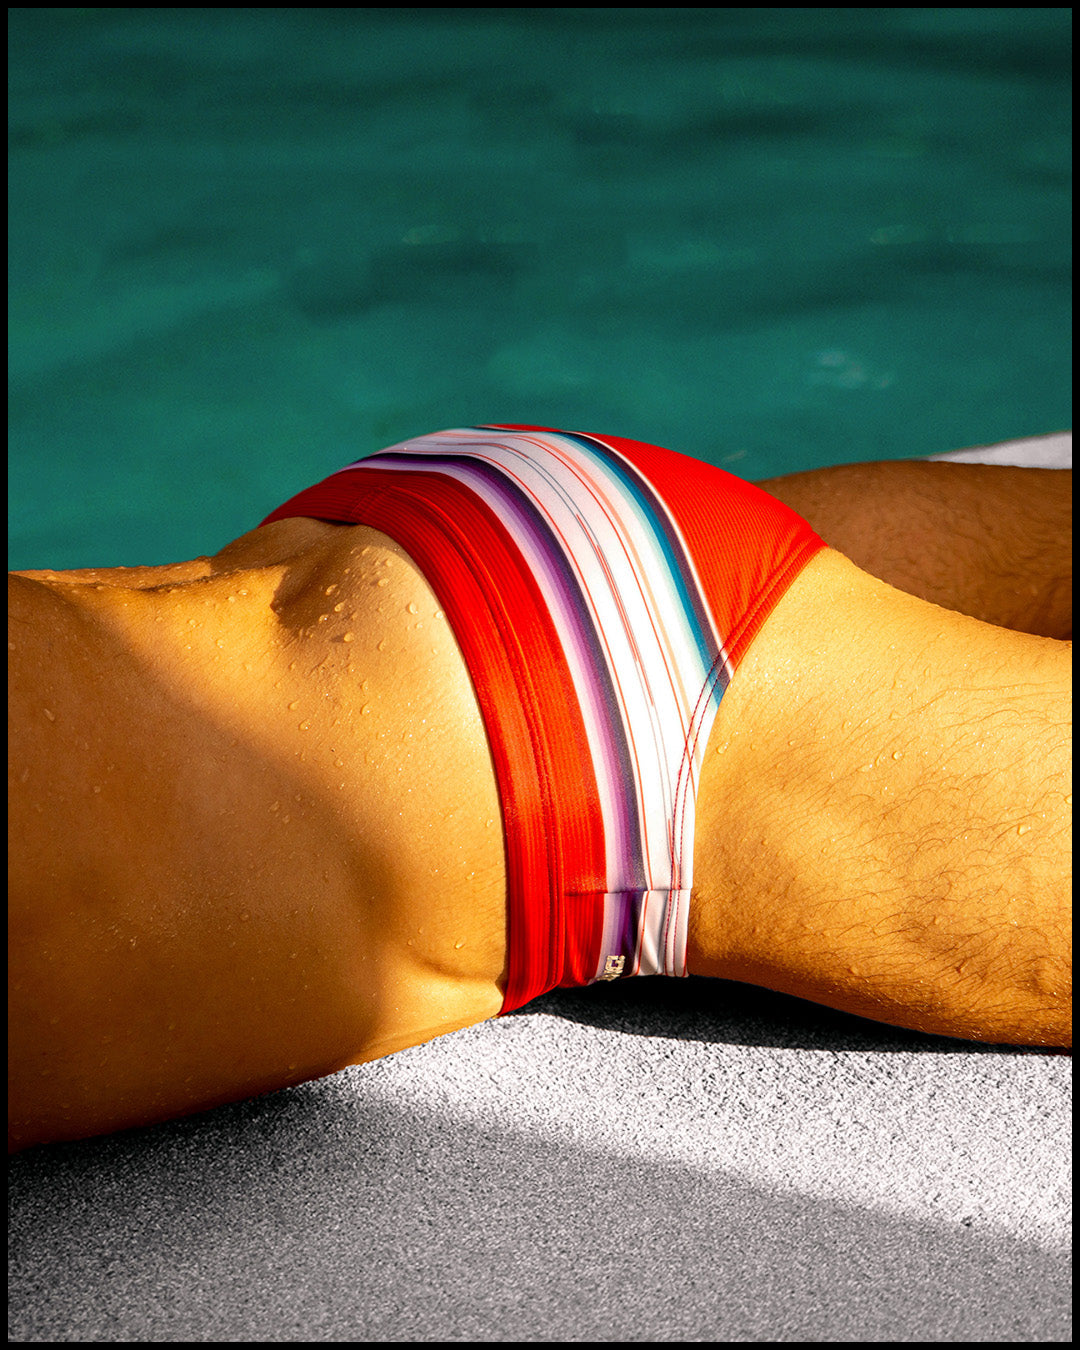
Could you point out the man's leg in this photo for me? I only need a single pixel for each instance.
(884, 812)
(990, 541)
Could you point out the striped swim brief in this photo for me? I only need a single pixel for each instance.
(603, 592)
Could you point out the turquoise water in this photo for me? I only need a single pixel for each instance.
(247, 246)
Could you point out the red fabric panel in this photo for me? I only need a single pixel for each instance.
(747, 546)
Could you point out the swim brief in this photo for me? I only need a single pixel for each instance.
(603, 592)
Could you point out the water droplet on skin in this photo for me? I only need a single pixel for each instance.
(412, 609)
(244, 916)
(294, 705)
(365, 709)
(323, 618)
(348, 637)
(330, 590)
(231, 599)
(898, 754)
(1068, 800)
(434, 651)
(304, 726)
(50, 714)
(338, 607)
(97, 787)
(1022, 829)
(438, 614)
(382, 581)
(382, 645)
(193, 623)
(458, 945)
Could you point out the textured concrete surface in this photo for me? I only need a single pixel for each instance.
(661, 1160)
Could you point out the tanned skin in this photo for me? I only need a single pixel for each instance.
(255, 834)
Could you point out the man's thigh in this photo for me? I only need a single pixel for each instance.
(882, 819)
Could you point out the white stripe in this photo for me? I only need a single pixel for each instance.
(649, 643)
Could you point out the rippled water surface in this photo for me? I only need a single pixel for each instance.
(249, 245)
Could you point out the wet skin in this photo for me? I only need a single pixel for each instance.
(256, 834)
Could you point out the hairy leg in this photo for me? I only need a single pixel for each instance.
(884, 815)
(990, 541)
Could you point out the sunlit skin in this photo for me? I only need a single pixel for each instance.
(255, 833)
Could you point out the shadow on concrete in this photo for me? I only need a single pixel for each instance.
(728, 1013)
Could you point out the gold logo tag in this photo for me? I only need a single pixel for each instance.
(613, 967)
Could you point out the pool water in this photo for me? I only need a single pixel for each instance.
(247, 246)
